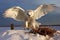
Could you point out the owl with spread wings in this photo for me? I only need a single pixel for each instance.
(29, 16)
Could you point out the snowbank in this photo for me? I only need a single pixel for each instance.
(22, 35)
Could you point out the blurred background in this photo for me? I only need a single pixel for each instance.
(49, 19)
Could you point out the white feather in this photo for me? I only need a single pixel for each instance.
(16, 13)
(20, 14)
(41, 11)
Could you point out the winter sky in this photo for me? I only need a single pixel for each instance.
(26, 4)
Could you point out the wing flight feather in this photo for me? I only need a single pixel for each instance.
(16, 13)
(41, 11)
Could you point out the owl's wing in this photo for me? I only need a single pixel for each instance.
(41, 11)
(16, 12)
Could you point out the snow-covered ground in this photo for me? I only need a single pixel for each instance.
(20, 34)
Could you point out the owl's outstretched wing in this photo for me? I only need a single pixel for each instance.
(41, 11)
(16, 12)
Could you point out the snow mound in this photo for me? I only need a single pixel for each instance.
(22, 35)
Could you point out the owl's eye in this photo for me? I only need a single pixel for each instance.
(28, 14)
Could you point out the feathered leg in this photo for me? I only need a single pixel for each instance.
(26, 24)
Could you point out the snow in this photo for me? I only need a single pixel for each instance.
(21, 34)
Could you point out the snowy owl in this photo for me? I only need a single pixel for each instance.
(29, 16)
